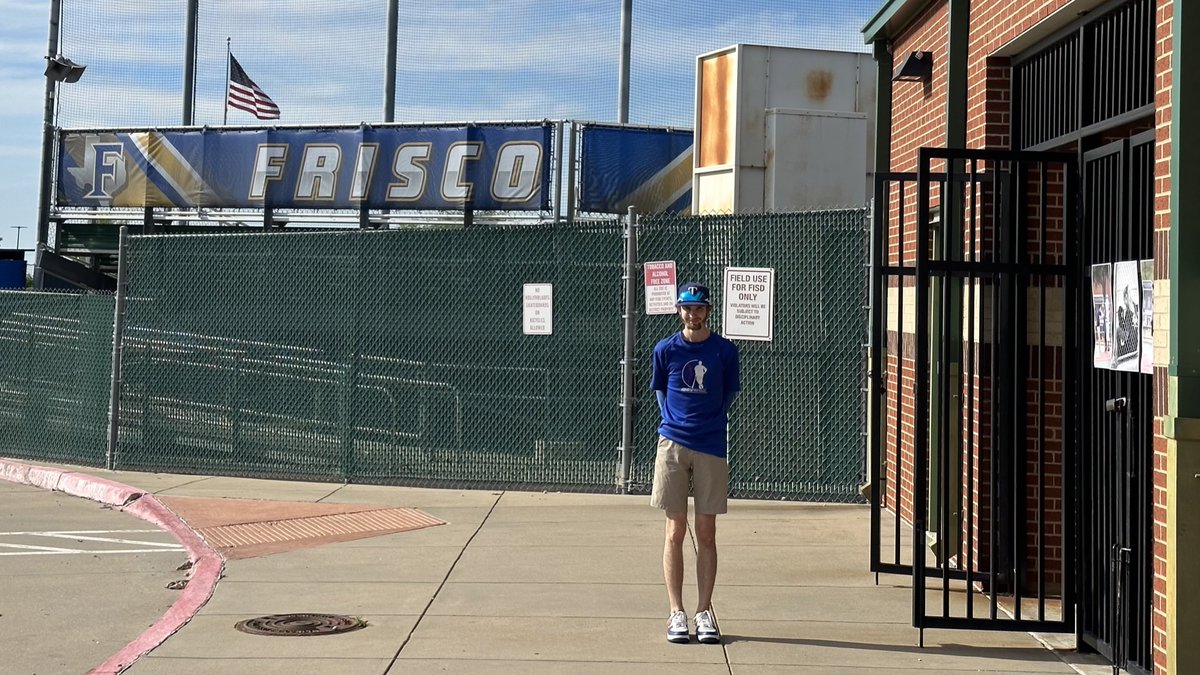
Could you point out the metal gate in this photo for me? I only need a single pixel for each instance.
(973, 299)
(1116, 418)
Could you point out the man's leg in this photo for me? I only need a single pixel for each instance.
(673, 558)
(706, 559)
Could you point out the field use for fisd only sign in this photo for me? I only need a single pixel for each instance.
(749, 303)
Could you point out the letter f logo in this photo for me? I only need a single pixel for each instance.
(105, 165)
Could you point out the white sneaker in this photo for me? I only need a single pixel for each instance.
(706, 628)
(677, 628)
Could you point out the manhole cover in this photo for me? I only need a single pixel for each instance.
(296, 625)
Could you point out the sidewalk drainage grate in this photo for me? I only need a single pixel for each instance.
(300, 625)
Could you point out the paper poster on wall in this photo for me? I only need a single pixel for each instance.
(1147, 276)
(537, 315)
(1127, 317)
(1102, 315)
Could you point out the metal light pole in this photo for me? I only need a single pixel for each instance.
(18, 228)
(189, 62)
(389, 67)
(623, 67)
(43, 220)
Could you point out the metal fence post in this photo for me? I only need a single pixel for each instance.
(627, 361)
(571, 173)
(348, 386)
(560, 130)
(114, 398)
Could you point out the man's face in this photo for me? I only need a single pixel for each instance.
(694, 317)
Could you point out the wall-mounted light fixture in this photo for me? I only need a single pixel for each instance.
(62, 69)
(917, 67)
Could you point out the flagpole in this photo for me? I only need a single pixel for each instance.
(228, 65)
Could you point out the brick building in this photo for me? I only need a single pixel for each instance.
(1035, 358)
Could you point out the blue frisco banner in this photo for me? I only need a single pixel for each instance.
(650, 169)
(491, 167)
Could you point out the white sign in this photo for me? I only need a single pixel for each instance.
(749, 303)
(538, 309)
(660, 287)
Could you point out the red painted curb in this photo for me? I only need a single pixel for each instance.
(97, 489)
(13, 472)
(43, 477)
(206, 571)
(207, 564)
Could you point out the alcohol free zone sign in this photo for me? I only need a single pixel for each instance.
(749, 303)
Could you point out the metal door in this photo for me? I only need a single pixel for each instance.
(972, 426)
(1116, 418)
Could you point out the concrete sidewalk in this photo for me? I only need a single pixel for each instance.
(519, 582)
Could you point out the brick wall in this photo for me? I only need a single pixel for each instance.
(1162, 229)
(918, 120)
(918, 109)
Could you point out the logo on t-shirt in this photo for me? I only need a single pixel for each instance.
(693, 377)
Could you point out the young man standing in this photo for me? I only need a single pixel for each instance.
(695, 379)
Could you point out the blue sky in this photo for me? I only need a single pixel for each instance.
(461, 60)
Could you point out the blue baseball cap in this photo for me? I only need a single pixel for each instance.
(692, 294)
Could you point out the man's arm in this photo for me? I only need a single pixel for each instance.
(733, 376)
(658, 379)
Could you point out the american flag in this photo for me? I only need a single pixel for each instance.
(245, 95)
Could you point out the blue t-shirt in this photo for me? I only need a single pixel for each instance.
(698, 378)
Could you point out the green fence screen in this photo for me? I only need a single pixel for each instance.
(381, 356)
(55, 375)
(399, 356)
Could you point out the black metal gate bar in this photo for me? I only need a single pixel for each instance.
(967, 446)
(994, 439)
(1141, 477)
(885, 272)
(1009, 273)
(877, 345)
(879, 348)
(1041, 414)
(921, 393)
(897, 500)
(1018, 282)
(943, 386)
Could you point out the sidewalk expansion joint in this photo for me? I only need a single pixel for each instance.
(442, 585)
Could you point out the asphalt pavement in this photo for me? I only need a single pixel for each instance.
(77, 581)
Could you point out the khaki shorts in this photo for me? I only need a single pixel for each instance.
(709, 479)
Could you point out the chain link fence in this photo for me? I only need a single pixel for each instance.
(381, 356)
(398, 356)
(796, 430)
(55, 375)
